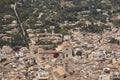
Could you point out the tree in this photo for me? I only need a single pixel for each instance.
(40, 42)
(43, 58)
(79, 53)
(64, 29)
(2, 43)
(4, 2)
(114, 41)
(116, 23)
(3, 60)
(18, 40)
(94, 28)
(116, 78)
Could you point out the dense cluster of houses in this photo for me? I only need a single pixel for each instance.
(99, 59)
(75, 56)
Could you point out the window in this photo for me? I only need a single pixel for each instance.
(66, 48)
(66, 55)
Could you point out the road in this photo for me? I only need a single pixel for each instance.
(22, 30)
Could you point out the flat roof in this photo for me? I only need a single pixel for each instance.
(49, 52)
